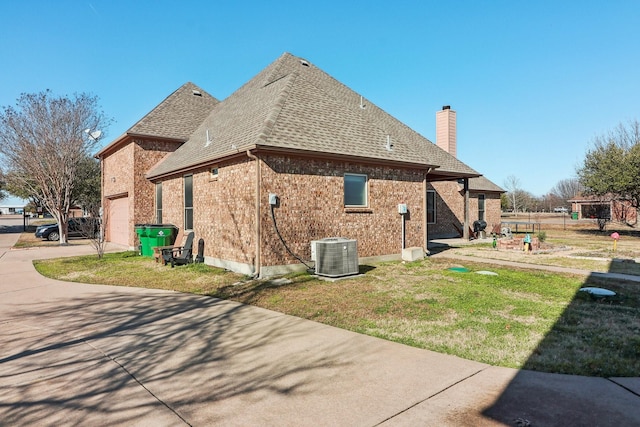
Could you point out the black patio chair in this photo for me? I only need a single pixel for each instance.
(179, 255)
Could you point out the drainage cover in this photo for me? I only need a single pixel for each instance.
(459, 269)
(598, 292)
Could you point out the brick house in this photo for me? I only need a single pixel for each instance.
(606, 207)
(337, 165)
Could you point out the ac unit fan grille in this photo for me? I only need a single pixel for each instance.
(336, 257)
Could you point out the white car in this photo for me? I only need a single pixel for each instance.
(560, 210)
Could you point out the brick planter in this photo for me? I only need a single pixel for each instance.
(517, 243)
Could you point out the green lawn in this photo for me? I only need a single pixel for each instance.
(519, 318)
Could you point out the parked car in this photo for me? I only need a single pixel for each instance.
(560, 210)
(76, 227)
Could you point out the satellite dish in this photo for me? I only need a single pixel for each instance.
(93, 135)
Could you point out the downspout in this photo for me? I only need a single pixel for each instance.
(257, 266)
(465, 230)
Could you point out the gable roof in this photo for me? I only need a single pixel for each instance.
(292, 106)
(176, 117)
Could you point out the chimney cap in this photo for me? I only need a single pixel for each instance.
(446, 107)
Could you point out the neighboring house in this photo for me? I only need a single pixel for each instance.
(11, 209)
(333, 163)
(606, 207)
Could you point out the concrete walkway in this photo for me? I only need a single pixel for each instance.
(76, 354)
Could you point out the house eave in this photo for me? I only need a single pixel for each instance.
(128, 137)
(449, 176)
(268, 149)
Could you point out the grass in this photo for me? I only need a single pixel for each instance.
(519, 318)
(585, 249)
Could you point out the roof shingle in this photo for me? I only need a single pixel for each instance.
(293, 105)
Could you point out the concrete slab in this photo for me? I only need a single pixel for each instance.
(501, 396)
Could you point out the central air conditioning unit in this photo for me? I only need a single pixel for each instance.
(335, 256)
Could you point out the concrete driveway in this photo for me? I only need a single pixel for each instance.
(76, 354)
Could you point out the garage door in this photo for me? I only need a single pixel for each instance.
(118, 221)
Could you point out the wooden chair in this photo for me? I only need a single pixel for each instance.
(179, 255)
(179, 241)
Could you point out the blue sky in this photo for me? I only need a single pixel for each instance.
(532, 82)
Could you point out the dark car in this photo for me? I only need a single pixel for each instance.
(77, 227)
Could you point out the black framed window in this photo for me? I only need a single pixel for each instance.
(431, 207)
(158, 203)
(188, 202)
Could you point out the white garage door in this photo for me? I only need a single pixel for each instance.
(118, 221)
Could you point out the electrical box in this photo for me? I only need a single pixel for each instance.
(273, 199)
(402, 208)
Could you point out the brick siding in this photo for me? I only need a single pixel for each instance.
(123, 172)
(450, 209)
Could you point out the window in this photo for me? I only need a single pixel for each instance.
(355, 190)
(188, 202)
(431, 207)
(158, 203)
(481, 207)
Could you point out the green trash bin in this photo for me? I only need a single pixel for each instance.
(574, 215)
(143, 235)
(159, 235)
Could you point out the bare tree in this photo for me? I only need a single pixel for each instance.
(3, 185)
(92, 229)
(43, 140)
(567, 189)
(515, 193)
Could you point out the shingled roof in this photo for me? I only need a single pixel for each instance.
(178, 115)
(481, 183)
(175, 118)
(293, 106)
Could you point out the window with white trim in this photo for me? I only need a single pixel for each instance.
(355, 190)
(431, 207)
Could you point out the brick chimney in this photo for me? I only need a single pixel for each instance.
(446, 130)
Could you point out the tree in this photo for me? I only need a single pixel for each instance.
(86, 191)
(43, 142)
(514, 192)
(612, 167)
(3, 185)
(567, 189)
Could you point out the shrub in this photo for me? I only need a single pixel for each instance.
(542, 236)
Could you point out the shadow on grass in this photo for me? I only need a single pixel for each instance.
(591, 336)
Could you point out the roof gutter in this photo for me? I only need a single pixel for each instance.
(258, 228)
